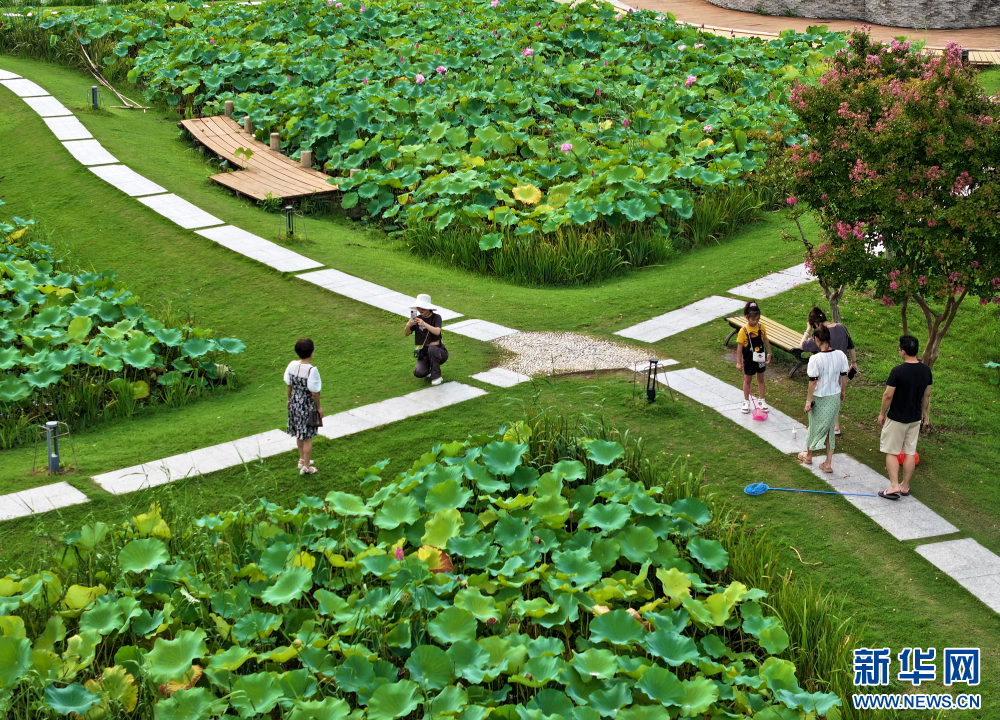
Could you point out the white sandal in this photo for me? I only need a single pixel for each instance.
(311, 470)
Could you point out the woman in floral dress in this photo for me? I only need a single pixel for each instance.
(304, 385)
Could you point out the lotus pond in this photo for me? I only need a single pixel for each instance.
(499, 117)
(81, 346)
(475, 583)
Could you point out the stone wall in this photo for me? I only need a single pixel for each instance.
(920, 14)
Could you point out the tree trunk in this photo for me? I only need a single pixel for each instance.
(833, 296)
(937, 325)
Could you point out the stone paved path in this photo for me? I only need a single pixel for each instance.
(275, 442)
(775, 283)
(368, 292)
(974, 567)
(685, 318)
(39, 500)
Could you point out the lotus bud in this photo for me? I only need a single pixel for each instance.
(398, 553)
(464, 583)
(537, 540)
(296, 643)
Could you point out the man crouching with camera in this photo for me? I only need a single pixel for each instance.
(425, 324)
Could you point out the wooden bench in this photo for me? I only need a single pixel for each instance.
(778, 335)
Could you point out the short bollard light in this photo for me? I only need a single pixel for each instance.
(651, 380)
(93, 97)
(289, 220)
(52, 446)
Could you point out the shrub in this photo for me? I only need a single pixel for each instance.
(475, 582)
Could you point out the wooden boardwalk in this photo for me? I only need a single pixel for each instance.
(268, 174)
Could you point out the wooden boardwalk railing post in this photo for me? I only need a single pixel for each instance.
(247, 124)
(306, 158)
(229, 108)
(276, 142)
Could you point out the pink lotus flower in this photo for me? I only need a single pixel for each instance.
(682, 48)
(598, 92)
(398, 553)
(625, 123)
(707, 128)
(419, 79)
(494, 3)
(440, 69)
(566, 147)
(618, 16)
(699, 46)
(527, 52)
(365, 81)
(362, 8)
(449, 37)
(211, 41)
(792, 201)
(691, 80)
(538, 24)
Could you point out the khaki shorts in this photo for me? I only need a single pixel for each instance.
(899, 437)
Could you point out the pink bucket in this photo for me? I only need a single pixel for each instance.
(758, 413)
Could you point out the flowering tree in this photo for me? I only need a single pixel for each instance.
(902, 163)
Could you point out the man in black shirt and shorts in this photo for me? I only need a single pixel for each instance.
(904, 407)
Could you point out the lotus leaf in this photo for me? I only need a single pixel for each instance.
(15, 660)
(503, 458)
(637, 543)
(595, 662)
(452, 625)
(290, 585)
(255, 695)
(447, 495)
(675, 649)
(145, 554)
(398, 510)
(394, 700)
(430, 667)
(699, 694)
(482, 607)
(348, 505)
(607, 518)
(327, 709)
(170, 659)
(72, 699)
(441, 527)
(709, 553)
(661, 685)
(616, 627)
(692, 509)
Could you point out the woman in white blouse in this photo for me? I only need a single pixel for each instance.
(304, 384)
(827, 371)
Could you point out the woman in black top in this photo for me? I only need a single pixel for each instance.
(431, 354)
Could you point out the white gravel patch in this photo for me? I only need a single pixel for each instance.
(548, 353)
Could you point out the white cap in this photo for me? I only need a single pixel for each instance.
(424, 302)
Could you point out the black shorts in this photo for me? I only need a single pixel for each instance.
(751, 368)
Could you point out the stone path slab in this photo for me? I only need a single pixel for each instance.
(89, 152)
(480, 329)
(47, 106)
(727, 400)
(127, 180)
(904, 519)
(644, 367)
(23, 88)
(775, 283)
(368, 293)
(67, 128)
(257, 248)
(179, 211)
(196, 462)
(501, 377)
(682, 319)
(275, 442)
(974, 567)
(6, 75)
(39, 500)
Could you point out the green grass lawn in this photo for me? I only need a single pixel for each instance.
(991, 80)
(364, 358)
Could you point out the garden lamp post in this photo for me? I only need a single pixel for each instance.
(52, 446)
(651, 380)
(289, 220)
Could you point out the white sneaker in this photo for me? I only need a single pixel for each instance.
(746, 407)
(762, 405)
(437, 382)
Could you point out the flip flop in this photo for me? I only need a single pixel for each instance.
(828, 469)
(802, 459)
(888, 496)
(904, 494)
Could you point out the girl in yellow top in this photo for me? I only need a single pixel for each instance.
(753, 353)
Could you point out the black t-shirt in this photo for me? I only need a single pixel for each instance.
(910, 381)
(419, 333)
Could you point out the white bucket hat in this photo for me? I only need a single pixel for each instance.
(424, 302)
